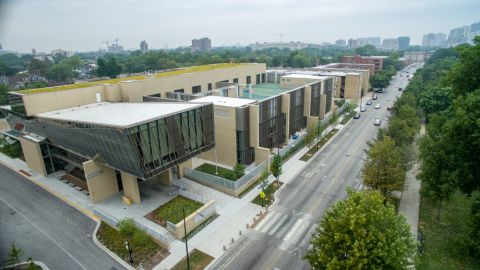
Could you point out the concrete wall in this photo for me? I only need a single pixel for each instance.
(286, 110)
(323, 103)
(261, 154)
(307, 101)
(33, 156)
(254, 126)
(194, 219)
(101, 181)
(225, 137)
(130, 187)
(186, 164)
(352, 87)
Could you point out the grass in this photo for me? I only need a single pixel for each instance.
(269, 190)
(180, 71)
(347, 118)
(145, 250)
(12, 150)
(172, 210)
(318, 145)
(198, 261)
(200, 227)
(222, 172)
(445, 239)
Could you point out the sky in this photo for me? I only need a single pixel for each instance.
(81, 25)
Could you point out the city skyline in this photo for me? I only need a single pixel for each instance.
(28, 24)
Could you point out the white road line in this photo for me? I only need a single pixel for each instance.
(44, 233)
(267, 225)
(276, 226)
(292, 230)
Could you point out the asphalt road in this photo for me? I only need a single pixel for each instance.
(46, 228)
(282, 238)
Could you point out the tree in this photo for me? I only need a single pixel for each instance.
(360, 232)
(383, 170)
(37, 67)
(310, 136)
(474, 223)
(276, 168)
(108, 67)
(239, 170)
(465, 77)
(14, 255)
(60, 72)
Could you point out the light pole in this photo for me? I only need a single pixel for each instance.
(127, 246)
(186, 239)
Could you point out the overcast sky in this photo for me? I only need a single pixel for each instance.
(81, 25)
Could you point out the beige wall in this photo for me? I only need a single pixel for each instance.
(286, 110)
(130, 187)
(261, 154)
(164, 178)
(193, 220)
(186, 164)
(323, 103)
(225, 136)
(352, 87)
(133, 91)
(307, 101)
(254, 124)
(101, 181)
(33, 156)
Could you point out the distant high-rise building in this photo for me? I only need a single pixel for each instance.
(292, 45)
(352, 43)
(390, 44)
(457, 36)
(1, 48)
(403, 43)
(375, 41)
(144, 46)
(202, 45)
(474, 31)
(341, 43)
(434, 40)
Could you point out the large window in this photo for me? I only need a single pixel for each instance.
(257, 79)
(249, 79)
(196, 89)
(210, 86)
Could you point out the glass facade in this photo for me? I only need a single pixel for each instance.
(328, 91)
(315, 99)
(272, 122)
(297, 120)
(245, 153)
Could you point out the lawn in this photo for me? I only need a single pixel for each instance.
(347, 118)
(222, 172)
(198, 261)
(319, 145)
(268, 194)
(145, 250)
(172, 210)
(12, 150)
(445, 239)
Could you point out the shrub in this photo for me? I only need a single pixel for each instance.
(127, 227)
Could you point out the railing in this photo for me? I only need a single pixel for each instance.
(170, 226)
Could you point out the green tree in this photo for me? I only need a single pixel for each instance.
(239, 170)
(37, 67)
(276, 168)
(360, 232)
(109, 67)
(474, 223)
(383, 170)
(14, 255)
(465, 76)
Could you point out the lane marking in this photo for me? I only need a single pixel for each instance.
(43, 232)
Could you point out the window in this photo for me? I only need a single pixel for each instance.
(178, 91)
(257, 79)
(210, 86)
(249, 79)
(196, 89)
(264, 78)
(235, 80)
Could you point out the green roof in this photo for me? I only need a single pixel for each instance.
(265, 90)
(179, 71)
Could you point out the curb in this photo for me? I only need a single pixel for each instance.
(39, 263)
(108, 251)
(53, 192)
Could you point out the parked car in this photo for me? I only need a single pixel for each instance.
(374, 97)
(377, 122)
(400, 88)
(377, 106)
(356, 116)
(369, 102)
(363, 109)
(389, 107)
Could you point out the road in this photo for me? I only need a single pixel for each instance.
(46, 228)
(281, 239)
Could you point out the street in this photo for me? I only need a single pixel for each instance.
(282, 238)
(46, 228)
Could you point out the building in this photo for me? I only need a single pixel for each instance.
(374, 41)
(474, 31)
(202, 45)
(390, 44)
(403, 43)
(358, 59)
(143, 46)
(433, 40)
(415, 57)
(352, 43)
(351, 66)
(457, 36)
(341, 43)
(279, 45)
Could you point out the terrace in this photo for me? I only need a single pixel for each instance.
(265, 90)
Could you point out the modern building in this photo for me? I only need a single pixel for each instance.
(143, 46)
(202, 45)
(390, 44)
(358, 59)
(351, 66)
(105, 136)
(341, 43)
(403, 43)
(432, 40)
(474, 31)
(458, 36)
(374, 41)
(415, 57)
(279, 45)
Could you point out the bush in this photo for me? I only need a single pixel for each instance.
(140, 238)
(239, 170)
(127, 227)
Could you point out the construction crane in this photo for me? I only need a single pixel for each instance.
(281, 35)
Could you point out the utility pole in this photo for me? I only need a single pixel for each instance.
(186, 239)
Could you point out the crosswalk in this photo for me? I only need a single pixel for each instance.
(293, 229)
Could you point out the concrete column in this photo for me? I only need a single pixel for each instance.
(130, 187)
(323, 104)
(307, 101)
(165, 178)
(101, 181)
(186, 164)
(33, 156)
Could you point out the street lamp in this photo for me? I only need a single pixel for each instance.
(186, 238)
(127, 246)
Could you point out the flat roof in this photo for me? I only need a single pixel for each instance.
(179, 71)
(318, 71)
(306, 76)
(224, 101)
(119, 114)
(264, 90)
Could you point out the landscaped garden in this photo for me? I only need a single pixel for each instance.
(172, 210)
(144, 249)
(198, 261)
(228, 174)
(12, 150)
(318, 145)
(268, 191)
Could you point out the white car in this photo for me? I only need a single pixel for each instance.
(363, 109)
(377, 122)
(377, 106)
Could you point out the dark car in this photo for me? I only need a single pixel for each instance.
(400, 88)
(356, 116)
(374, 97)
